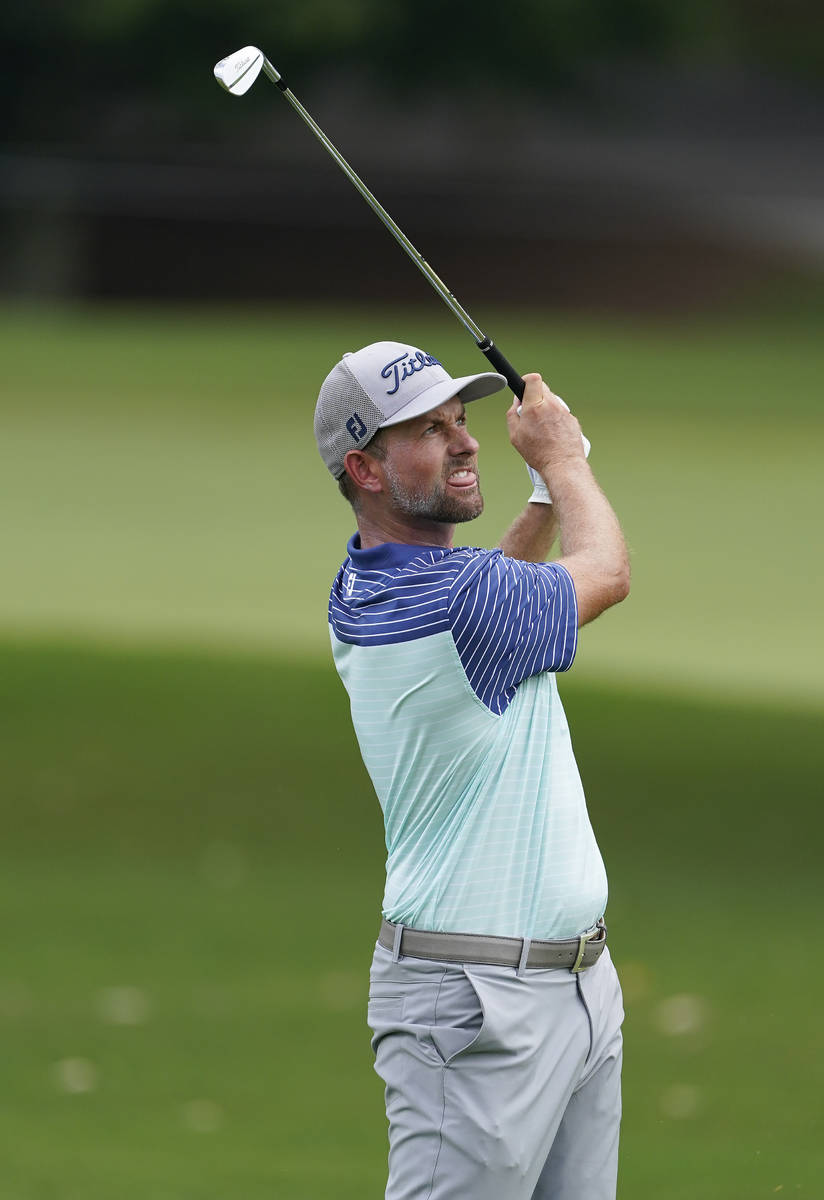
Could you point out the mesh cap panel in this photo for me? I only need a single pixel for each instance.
(345, 418)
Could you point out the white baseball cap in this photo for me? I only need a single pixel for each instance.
(384, 384)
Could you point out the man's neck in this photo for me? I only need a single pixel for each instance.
(375, 531)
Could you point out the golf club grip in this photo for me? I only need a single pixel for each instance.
(503, 366)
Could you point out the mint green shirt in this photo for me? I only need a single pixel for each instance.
(449, 659)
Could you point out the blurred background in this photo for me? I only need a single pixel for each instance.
(629, 197)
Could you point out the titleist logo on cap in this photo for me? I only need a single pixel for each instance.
(405, 366)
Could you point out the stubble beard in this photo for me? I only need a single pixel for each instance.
(435, 504)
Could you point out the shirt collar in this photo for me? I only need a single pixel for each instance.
(386, 556)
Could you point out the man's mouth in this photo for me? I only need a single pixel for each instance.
(464, 477)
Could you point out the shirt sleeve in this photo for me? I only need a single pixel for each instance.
(511, 619)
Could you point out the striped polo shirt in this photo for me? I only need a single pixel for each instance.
(449, 657)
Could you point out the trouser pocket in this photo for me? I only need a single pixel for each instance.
(456, 1017)
(435, 1005)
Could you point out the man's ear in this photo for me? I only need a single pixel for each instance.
(363, 469)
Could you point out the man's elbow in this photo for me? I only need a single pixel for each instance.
(600, 581)
(609, 587)
(621, 582)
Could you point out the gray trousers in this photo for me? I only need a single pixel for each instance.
(499, 1086)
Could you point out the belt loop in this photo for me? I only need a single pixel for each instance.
(396, 943)
(524, 956)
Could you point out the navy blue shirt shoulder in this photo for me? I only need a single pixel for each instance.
(509, 619)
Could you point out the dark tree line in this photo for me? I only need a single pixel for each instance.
(78, 72)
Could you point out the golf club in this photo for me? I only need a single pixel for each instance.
(237, 73)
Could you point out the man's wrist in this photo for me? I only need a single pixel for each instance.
(540, 491)
(540, 487)
(559, 470)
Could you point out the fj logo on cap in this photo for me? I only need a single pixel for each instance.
(411, 365)
(355, 427)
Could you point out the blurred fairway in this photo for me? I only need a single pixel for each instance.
(182, 799)
(177, 825)
(160, 481)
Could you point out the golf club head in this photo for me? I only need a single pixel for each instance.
(238, 71)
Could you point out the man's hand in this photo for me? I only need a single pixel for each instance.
(542, 429)
(548, 438)
(540, 491)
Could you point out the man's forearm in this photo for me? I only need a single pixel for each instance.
(592, 543)
(548, 438)
(532, 534)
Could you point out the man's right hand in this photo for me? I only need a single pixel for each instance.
(543, 430)
(593, 550)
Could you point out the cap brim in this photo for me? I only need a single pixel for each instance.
(468, 387)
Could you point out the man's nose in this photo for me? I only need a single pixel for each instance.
(462, 441)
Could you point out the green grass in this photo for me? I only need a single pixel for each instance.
(182, 798)
(161, 481)
(179, 823)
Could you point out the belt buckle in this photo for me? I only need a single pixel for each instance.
(583, 940)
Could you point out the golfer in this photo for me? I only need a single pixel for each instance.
(494, 1005)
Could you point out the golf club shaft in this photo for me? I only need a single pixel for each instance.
(484, 343)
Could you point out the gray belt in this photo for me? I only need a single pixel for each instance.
(573, 954)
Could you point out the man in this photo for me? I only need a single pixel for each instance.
(495, 1008)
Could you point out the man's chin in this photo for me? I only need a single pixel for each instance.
(441, 508)
(458, 509)
(470, 513)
